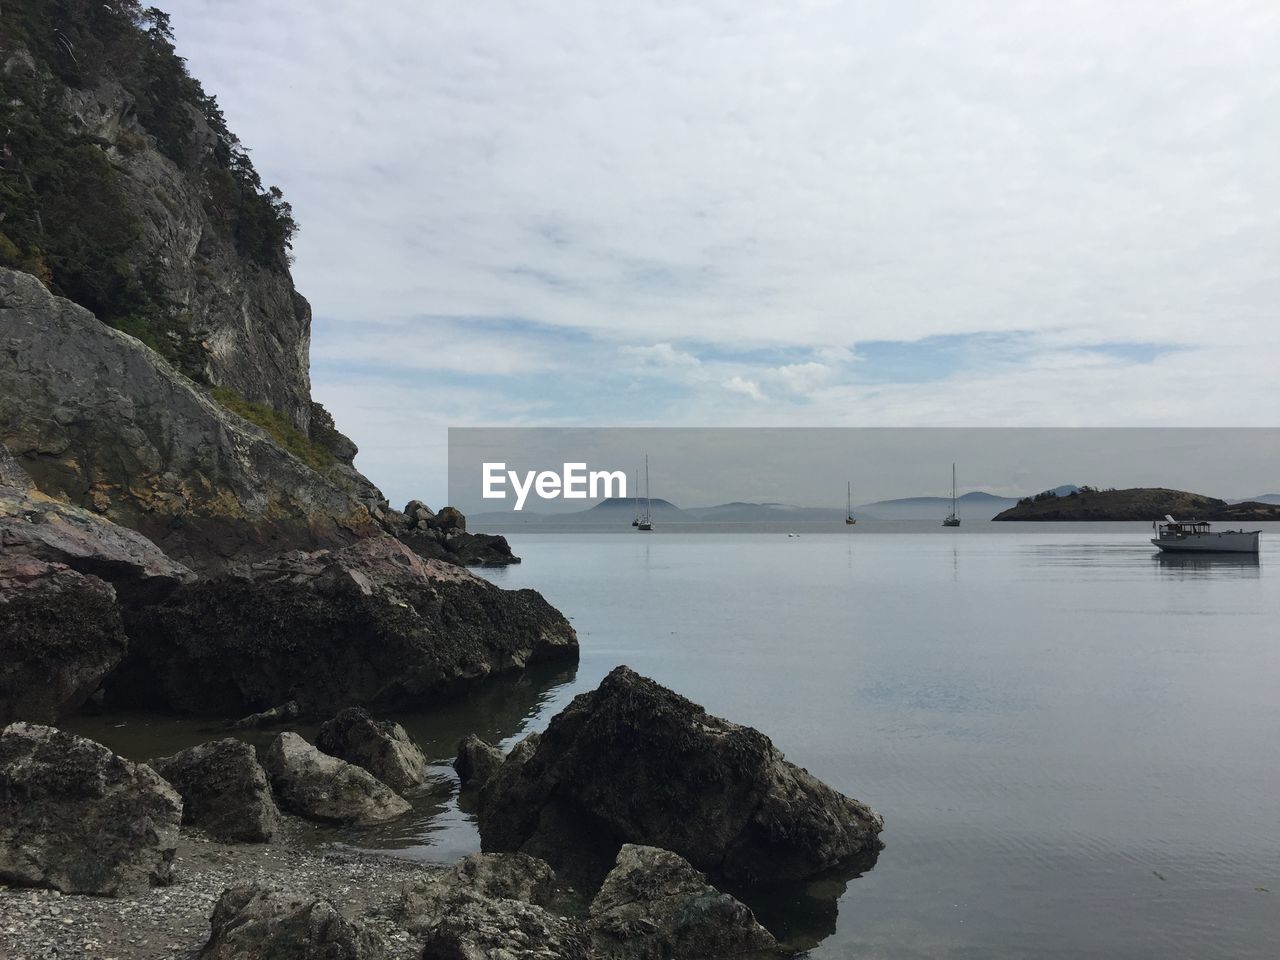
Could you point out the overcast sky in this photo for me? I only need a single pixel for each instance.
(751, 214)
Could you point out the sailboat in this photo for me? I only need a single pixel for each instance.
(645, 520)
(848, 504)
(952, 520)
(636, 522)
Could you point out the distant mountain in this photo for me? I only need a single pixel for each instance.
(741, 512)
(1262, 498)
(1137, 503)
(622, 510)
(973, 506)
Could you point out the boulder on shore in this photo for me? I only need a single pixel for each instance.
(254, 923)
(489, 876)
(491, 905)
(315, 785)
(633, 762)
(381, 747)
(60, 635)
(477, 762)
(369, 625)
(224, 790)
(654, 905)
(77, 818)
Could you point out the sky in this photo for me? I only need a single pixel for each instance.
(964, 213)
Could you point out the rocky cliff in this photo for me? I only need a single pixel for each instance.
(100, 420)
(126, 193)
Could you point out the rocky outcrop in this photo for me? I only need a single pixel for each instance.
(36, 526)
(444, 536)
(477, 762)
(381, 747)
(255, 923)
(103, 422)
(633, 762)
(78, 818)
(315, 785)
(653, 905)
(372, 625)
(224, 791)
(60, 635)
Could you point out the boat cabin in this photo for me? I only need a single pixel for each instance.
(1181, 528)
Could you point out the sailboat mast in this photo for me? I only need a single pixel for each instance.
(953, 489)
(648, 503)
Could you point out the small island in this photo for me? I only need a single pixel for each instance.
(1137, 503)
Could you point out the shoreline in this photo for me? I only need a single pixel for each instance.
(172, 922)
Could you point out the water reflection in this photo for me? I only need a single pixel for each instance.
(1208, 566)
(803, 914)
(438, 829)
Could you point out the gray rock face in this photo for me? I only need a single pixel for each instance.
(249, 329)
(77, 818)
(315, 785)
(256, 923)
(60, 635)
(12, 475)
(654, 905)
(381, 747)
(36, 526)
(477, 762)
(99, 420)
(383, 627)
(224, 791)
(634, 762)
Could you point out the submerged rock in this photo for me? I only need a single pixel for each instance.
(256, 923)
(60, 635)
(654, 905)
(77, 818)
(370, 625)
(224, 790)
(633, 762)
(315, 785)
(381, 747)
(267, 718)
(477, 762)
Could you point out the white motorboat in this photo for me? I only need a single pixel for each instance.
(1194, 536)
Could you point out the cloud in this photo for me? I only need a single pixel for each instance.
(904, 212)
(748, 388)
(661, 355)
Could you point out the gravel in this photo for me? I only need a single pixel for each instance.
(173, 922)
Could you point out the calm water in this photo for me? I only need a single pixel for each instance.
(1075, 744)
